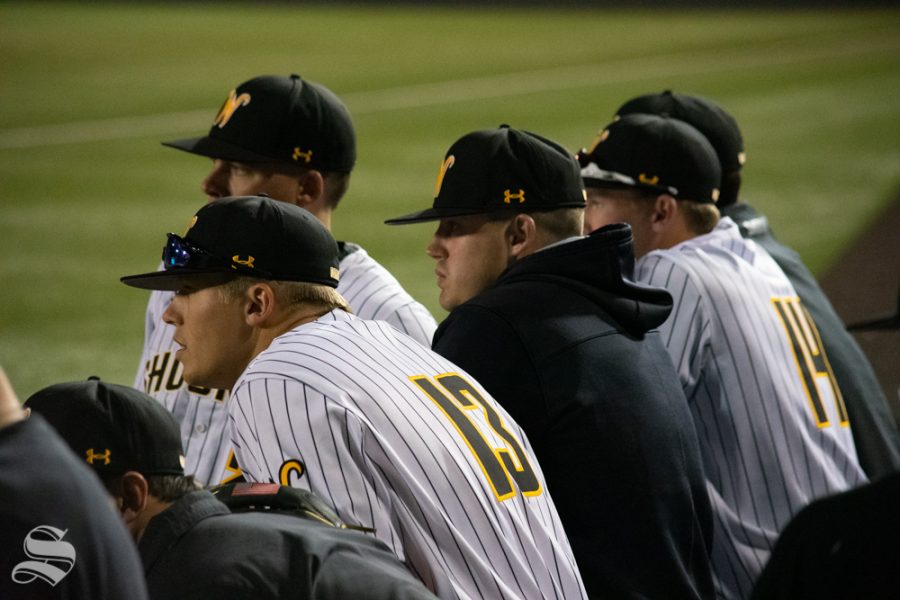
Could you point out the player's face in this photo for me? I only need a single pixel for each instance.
(229, 178)
(606, 206)
(215, 340)
(471, 253)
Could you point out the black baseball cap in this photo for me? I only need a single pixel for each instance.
(283, 120)
(112, 427)
(656, 153)
(704, 115)
(502, 169)
(251, 236)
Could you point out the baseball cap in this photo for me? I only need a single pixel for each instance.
(656, 153)
(704, 115)
(503, 168)
(281, 120)
(113, 428)
(252, 236)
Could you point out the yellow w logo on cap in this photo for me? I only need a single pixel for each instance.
(445, 166)
(232, 103)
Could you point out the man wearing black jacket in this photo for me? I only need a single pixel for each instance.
(190, 543)
(551, 325)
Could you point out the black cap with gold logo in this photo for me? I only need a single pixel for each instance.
(502, 169)
(250, 236)
(704, 115)
(285, 120)
(112, 427)
(655, 153)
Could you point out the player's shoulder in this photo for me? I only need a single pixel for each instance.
(723, 245)
(356, 262)
(334, 328)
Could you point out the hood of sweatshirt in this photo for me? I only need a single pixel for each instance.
(600, 267)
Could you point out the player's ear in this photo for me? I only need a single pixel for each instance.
(310, 190)
(133, 498)
(259, 303)
(522, 235)
(664, 211)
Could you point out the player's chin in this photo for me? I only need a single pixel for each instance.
(189, 370)
(447, 301)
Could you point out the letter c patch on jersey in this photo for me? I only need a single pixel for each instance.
(290, 472)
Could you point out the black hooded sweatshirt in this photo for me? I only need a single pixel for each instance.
(566, 342)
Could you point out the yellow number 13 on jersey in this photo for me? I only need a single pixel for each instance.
(810, 358)
(501, 466)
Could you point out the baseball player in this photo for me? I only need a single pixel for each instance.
(875, 434)
(552, 325)
(773, 430)
(294, 141)
(398, 439)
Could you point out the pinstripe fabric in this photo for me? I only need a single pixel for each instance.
(764, 454)
(369, 288)
(337, 396)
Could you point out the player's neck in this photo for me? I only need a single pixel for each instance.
(297, 315)
(153, 508)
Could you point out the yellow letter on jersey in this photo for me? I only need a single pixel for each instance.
(810, 359)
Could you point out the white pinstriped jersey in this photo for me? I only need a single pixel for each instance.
(771, 421)
(371, 291)
(398, 439)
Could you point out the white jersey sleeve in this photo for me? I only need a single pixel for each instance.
(362, 415)
(769, 415)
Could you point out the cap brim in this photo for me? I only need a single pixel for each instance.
(177, 279)
(214, 148)
(435, 214)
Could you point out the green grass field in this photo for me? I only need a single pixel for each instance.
(89, 91)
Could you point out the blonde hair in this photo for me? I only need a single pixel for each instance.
(561, 223)
(556, 224)
(290, 292)
(699, 217)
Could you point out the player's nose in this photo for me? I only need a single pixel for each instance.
(212, 184)
(433, 249)
(171, 314)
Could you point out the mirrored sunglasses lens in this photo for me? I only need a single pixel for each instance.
(176, 253)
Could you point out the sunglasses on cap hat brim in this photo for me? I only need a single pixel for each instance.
(187, 265)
